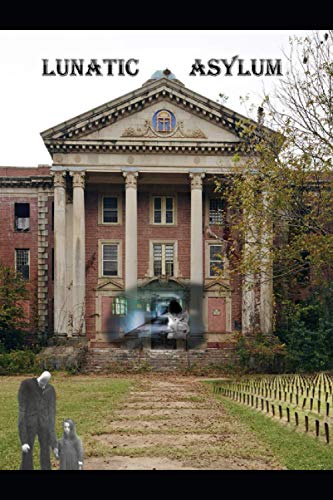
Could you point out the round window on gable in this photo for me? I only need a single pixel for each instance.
(164, 121)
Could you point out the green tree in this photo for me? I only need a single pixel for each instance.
(280, 197)
(13, 323)
(280, 203)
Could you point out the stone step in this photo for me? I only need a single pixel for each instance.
(111, 358)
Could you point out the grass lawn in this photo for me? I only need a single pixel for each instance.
(88, 400)
(295, 450)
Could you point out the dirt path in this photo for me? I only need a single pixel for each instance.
(176, 423)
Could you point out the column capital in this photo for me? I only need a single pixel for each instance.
(196, 180)
(78, 179)
(131, 179)
(59, 179)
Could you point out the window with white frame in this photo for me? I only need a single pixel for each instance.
(216, 207)
(163, 210)
(119, 306)
(215, 260)
(163, 257)
(110, 210)
(22, 262)
(110, 259)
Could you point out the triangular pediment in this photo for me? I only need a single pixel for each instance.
(129, 119)
(217, 285)
(110, 284)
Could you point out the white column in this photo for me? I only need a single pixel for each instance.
(196, 304)
(266, 274)
(79, 254)
(60, 302)
(131, 233)
(248, 304)
(248, 283)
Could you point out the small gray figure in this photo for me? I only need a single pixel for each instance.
(70, 448)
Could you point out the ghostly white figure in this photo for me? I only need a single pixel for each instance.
(178, 326)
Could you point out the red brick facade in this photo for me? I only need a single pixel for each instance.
(18, 188)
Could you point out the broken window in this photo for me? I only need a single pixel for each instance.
(216, 207)
(163, 259)
(22, 216)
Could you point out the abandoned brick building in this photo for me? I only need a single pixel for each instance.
(127, 209)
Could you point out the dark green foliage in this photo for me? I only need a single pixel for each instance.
(306, 327)
(260, 354)
(13, 323)
(15, 362)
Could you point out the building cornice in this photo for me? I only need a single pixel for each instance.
(27, 182)
(194, 147)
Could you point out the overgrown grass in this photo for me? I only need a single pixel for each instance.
(295, 450)
(90, 401)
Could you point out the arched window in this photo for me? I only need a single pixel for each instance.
(163, 121)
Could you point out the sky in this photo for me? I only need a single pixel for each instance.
(31, 103)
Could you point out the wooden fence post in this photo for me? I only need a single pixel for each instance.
(296, 418)
(288, 414)
(280, 411)
(317, 428)
(306, 423)
(327, 435)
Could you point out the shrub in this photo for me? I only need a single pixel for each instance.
(260, 353)
(18, 362)
(306, 327)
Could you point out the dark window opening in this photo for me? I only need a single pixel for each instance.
(22, 217)
(110, 210)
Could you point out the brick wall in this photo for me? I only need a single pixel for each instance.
(11, 240)
(94, 232)
(181, 232)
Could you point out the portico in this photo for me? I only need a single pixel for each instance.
(134, 203)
